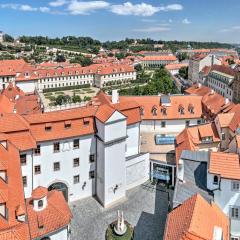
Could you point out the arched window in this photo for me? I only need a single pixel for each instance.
(164, 111)
(154, 111)
(40, 203)
(181, 109)
(46, 238)
(215, 180)
(191, 108)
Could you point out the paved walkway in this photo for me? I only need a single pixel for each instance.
(145, 208)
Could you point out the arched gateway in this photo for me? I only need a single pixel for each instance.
(60, 187)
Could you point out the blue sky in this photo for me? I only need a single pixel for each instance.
(203, 20)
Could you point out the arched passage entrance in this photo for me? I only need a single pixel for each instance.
(60, 187)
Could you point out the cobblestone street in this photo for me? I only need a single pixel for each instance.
(145, 208)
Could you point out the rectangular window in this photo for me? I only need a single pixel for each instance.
(56, 166)
(198, 122)
(24, 179)
(37, 151)
(235, 186)
(234, 212)
(91, 158)
(67, 125)
(76, 179)
(3, 210)
(56, 147)
(37, 169)
(91, 174)
(163, 124)
(223, 136)
(76, 162)
(187, 123)
(23, 159)
(76, 143)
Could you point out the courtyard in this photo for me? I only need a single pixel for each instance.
(146, 208)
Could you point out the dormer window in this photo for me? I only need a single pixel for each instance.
(67, 124)
(181, 109)
(215, 180)
(3, 210)
(62, 73)
(208, 139)
(154, 111)
(3, 175)
(86, 121)
(164, 111)
(40, 203)
(191, 108)
(48, 127)
(142, 111)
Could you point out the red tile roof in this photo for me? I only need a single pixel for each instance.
(54, 217)
(104, 112)
(226, 165)
(176, 66)
(148, 102)
(39, 192)
(12, 92)
(190, 138)
(223, 69)
(11, 67)
(12, 194)
(196, 219)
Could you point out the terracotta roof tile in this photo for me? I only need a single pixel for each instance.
(190, 138)
(39, 192)
(225, 164)
(55, 216)
(196, 219)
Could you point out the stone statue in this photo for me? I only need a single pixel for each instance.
(120, 228)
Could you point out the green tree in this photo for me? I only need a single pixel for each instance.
(183, 72)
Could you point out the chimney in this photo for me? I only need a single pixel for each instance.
(226, 101)
(212, 92)
(115, 96)
(199, 85)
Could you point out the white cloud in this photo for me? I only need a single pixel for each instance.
(44, 9)
(230, 29)
(21, 7)
(153, 29)
(186, 21)
(148, 20)
(142, 9)
(58, 3)
(83, 8)
(128, 8)
(171, 7)
(25, 8)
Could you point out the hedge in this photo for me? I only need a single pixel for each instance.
(66, 88)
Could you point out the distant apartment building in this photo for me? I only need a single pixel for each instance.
(236, 85)
(44, 76)
(174, 68)
(152, 62)
(156, 53)
(1, 36)
(222, 80)
(197, 63)
(218, 52)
